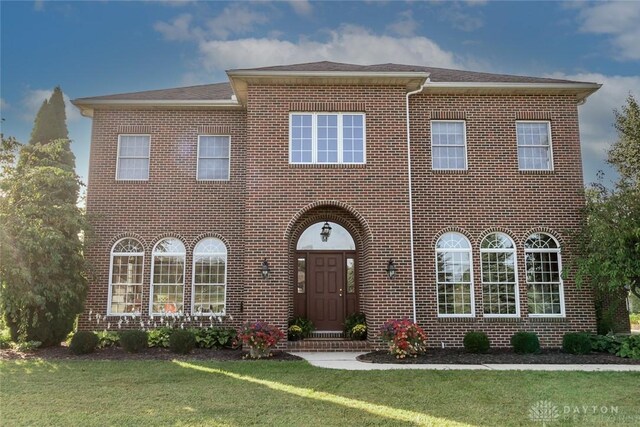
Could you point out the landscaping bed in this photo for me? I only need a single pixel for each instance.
(498, 356)
(116, 353)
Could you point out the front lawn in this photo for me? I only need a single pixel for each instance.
(269, 393)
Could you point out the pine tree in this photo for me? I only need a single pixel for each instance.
(50, 123)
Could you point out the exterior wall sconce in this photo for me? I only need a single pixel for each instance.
(264, 269)
(326, 231)
(391, 269)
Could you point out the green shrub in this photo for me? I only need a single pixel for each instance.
(160, 337)
(576, 343)
(352, 320)
(108, 339)
(133, 341)
(213, 337)
(27, 345)
(605, 343)
(83, 342)
(303, 323)
(634, 319)
(182, 341)
(359, 332)
(476, 342)
(630, 347)
(5, 338)
(525, 342)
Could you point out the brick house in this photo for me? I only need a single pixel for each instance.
(323, 189)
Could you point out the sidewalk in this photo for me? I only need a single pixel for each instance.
(347, 360)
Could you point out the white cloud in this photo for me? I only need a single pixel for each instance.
(459, 18)
(38, 5)
(235, 19)
(620, 20)
(405, 25)
(596, 116)
(301, 7)
(4, 105)
(32, 101)
(349, 43)
(179, 29)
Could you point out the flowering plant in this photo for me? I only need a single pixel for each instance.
(404, 338)
(295, 332)
(359, 332)
(260, 337)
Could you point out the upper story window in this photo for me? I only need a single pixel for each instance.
(453, 276)
(534, 145)
(133, 157)
(499, 283)
(167, 277)
(213, 157)
(448, 145)
(543, 267)
(327, 138)
(127, 266)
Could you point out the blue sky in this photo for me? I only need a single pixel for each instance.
(97, 48)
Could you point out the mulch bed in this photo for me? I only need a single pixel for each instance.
(499, 356)
(115, 353)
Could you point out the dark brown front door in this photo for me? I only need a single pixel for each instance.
(326, 291)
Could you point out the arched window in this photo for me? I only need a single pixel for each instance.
(167, 277)
(338, 239)
(543, 266)
(453, 275)
(499, 278)
(209, 276)
(125, 280)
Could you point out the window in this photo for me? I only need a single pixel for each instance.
(499, 284)
(544, 285)
(453, 276)
(133, 157)
(209, 276)
(448, 145)
(302, 275)
(339, 239)
(534, 145)
(327, 138)
(125, 281)
(167, 277)
(213, 157)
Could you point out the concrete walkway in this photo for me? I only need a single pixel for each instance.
(347, 360)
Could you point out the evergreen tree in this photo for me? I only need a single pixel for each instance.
(50, 123)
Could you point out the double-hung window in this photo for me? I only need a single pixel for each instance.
(327, 138)
(133, 158)
(448, 145)
(213, 157)
(534, 146)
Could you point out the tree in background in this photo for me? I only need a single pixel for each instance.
(42, 283)
(51, 121)
(610, 239)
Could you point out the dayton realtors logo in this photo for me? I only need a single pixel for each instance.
(545, 411)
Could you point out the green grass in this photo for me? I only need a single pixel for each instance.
(269, 393)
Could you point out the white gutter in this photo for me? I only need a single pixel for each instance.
(325, 74)
(413, 262)
(168, 103)
(502, 85)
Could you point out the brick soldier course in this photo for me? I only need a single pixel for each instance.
(267, 202)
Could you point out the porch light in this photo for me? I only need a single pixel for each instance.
(326, 231)
(391, 269)
(264, 269)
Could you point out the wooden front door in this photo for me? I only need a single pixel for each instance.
(326, 289)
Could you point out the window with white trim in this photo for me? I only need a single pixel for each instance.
(209, 276)
(133, 157)
(213, 157)
(125, 280)
(543, 267)
(167, 277)
(448, 145)
(327, 138)
(453, 276)
(499, 277)
(534, 145)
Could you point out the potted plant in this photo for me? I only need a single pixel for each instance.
(260, 337)
(294, 333)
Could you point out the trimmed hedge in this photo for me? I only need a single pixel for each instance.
(576, 343)
(83, 342)
(182, 341)
(134, 341)
(476, 342)
(525, 342)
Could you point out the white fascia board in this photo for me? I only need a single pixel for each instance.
(328, 74)
(498, 85)
(87, 106)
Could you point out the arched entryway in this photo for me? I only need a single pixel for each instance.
(326, 287)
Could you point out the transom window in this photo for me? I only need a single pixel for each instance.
(125, 287)
(213, 157)
(167, 277)
(209, 276)
(448, 144)
(534, 145)
(544, 284)
(327, 138)
(133, 157)
(499, 284)
(339, 239)
(453, 276)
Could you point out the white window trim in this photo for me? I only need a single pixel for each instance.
(471, 282)
(548, 123)
(228, 178)
(110, 295)
(464, 135)
(314, 138)
(153, 261)
(517, 282)
(193, 279)
(558, 250)
(118, 157)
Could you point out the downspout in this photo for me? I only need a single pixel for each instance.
(413, 262)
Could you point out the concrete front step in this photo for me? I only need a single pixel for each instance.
(328, 344)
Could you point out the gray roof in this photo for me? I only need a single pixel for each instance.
(215, 91)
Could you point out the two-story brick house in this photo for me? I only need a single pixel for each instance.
(322, 189)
